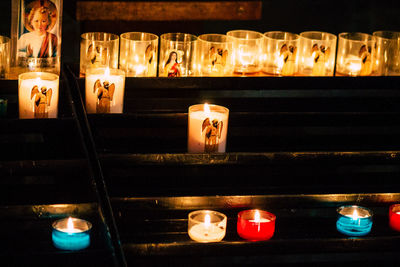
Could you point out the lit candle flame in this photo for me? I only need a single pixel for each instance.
(70, 225)
(107, 73)
(38, 82)
(30, 65)
(207, 221)
(257, 216)
(355, 215)
(354, 68)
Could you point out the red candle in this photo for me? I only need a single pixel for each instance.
(394, 217)
(256, 225)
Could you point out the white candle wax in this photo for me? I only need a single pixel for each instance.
(197, 136)
(38, 97)
(95, 100)
(206, 233)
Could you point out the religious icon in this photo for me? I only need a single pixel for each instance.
(97, 55)
(289, 58)
(149, 53)
(213, 131)
(320, 56)
(172, 67)
(365, 55)
(38, 33)
(42, 101)
(105, 94)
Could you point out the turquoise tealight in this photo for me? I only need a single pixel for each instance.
(76, 238)
(354, 220)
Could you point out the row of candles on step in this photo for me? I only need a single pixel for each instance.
(210, 226)
(243, 52)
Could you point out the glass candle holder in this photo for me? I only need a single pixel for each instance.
(207, 128)
(355, 55)
(281, 53)
(71, 234)
(98, 49)
(317, 53)
(394, 217)
(104, 90)
(354, 220)
(138, 54)
(256, 225)
(36, 35)
(3, 107)
(214, 55)
(38, 95)
(247, 51)
(177, 55)
(4, 57)
(387, 60)
(206, 226)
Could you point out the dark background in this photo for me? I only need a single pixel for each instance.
(289, 15)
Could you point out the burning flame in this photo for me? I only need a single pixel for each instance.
(107, 73)
(70, 225)
(355, 215)
(257, 216)
(354, 68)
(207, 221)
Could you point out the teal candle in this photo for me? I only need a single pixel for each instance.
(71, 234)
(354, 220)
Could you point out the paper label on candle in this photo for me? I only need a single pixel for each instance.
(172, 67)
(38, 33)
(96, 55)
(320, 56)
(289, 54)
(217, 59)
(365, 55)
(104, 93)
(38, 98)
(212, 134)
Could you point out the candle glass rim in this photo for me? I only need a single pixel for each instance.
(218, 214)
(88, 224)
(151, 35)
(200, 38)
(193, 38)
(113, 37)
(346, 36)
(394, 206)
(220, 109)
(4, 40)
(229, 34)
(266, 35)
(113, 71)
(369, 212)
(395, 33)
(47, 76)
(331, 36)
(271, 216)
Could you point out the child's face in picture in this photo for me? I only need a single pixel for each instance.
(40, 22)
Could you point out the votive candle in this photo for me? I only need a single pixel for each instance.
(394, 217)
(256, 225)
(71, 234)
(206, 226)
(354, 220)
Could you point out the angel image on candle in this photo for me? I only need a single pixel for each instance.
(149, 53)
(105, 94)
(39, 42)
(212, 134)
(42, 101)
(96, 55)
(218, 58)
(365, 55)
(172, 67)
(320, 56)
(289, 57)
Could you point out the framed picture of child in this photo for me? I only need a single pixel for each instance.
(36, 35)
